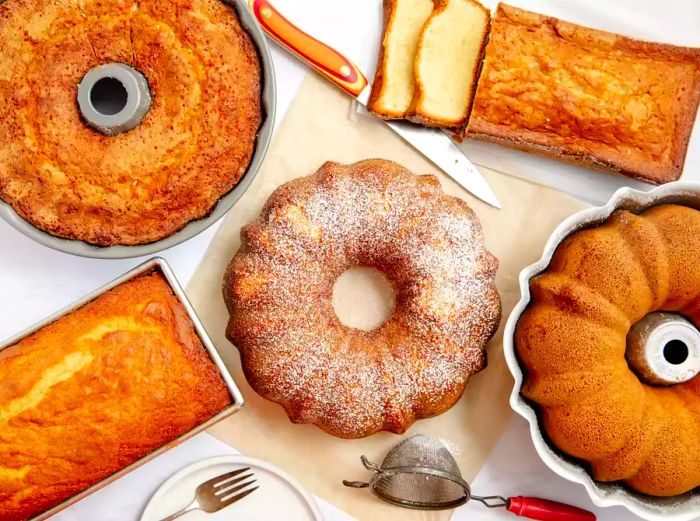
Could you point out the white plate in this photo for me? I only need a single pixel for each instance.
(279, 497)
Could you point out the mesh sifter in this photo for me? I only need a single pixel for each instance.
(420, 472)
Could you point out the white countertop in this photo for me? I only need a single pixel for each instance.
(36, 281)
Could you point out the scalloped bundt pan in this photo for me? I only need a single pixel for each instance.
(677, 508)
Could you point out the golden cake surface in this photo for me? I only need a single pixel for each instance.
(97, 390)
(192, 147)
(586, 95)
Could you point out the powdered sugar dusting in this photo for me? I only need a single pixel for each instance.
(279, 288)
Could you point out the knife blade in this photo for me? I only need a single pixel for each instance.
(433, 143)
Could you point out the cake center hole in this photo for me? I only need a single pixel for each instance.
(108, 96)
(676, 352)
(363, 298)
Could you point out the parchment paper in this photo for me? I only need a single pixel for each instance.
(318, 128)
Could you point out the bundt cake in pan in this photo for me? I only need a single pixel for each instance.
(573, 338)
(190, 149)
(278, 289)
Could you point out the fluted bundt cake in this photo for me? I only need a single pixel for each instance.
(191, 148)
(278, 289)
(572, 342)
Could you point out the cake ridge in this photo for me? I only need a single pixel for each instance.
(569, 285)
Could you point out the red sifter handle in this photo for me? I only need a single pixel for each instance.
(546, 510)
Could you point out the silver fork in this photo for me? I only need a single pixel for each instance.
(219, 492)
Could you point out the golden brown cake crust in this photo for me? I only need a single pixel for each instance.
(588, 96)
(279, 285)
(378, 83)
(572, 341)
(98, 389)
(191, 148)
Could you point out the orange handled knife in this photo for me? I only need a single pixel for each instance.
(434, 144)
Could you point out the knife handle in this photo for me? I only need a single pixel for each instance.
(325, 60)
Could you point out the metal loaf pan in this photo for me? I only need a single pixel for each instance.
(160, 265)
(225, 203)
(678, 508)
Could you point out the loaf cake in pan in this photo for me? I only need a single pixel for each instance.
(97, 390)
(586, 95)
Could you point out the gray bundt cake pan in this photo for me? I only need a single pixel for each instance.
(269, 99)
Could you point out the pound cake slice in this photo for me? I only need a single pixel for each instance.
(447, 63)
(91, 393)
(588, 96)
(394, 81)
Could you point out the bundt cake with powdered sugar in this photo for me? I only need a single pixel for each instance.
(279, 285)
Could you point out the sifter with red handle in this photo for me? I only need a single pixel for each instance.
(420, 472)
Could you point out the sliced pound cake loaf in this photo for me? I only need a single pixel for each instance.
(394, 81)
(447, 63)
